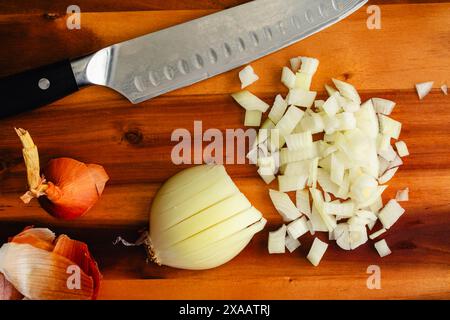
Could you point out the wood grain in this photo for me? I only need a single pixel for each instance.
(133, 143)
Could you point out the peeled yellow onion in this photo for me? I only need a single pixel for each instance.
(200, 220)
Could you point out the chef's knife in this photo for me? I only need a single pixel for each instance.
(178, 56)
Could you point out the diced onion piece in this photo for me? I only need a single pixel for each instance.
(383, 165)
(318, 202)
(340, 229)
(268, 178)
(444, 89)
(277, 240)
(389, 126)
(317, 222)
(278, 109)
(313, 123)
(303, 81)
(346, 120)
(252, 155)
(365, 214)
(347, 90)
(297, 228)
(249, 101)
(388, 153)
(397, 162)
(337, 169)
(299, 141)
(348, 105)
(317, 251)
(383, 106)
(295, 63)
(302, 202)
(356, 222)
(377, 205)
(363, 188)
(391, 212)
(309, 65)
(344, 209)
(318, 104)
(327, 197)
(291, 244)
(325, 182)
(372, 199)
(297, 168)
(289, 121)
(378, 233)
(311, 227)
(344, 187)
(301, 98)
(330, 90)
(291, 183)
(267, 125)
(388, 175)
(288, 156)
(402, 149)
(382, 248)
(402, 195)
(383, 143)
(350, 237)
(358, 237)
(367, 120)
(288, 78)
(424, 88)
(331, 106)
(331, 124)
(284, 205)
(252, 118)
(312, 176)
(247, 76)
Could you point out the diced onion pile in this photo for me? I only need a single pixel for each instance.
(335, 153)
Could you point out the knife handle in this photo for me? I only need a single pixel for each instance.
(35, 88)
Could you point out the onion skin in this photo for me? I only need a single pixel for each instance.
(76, 189)
(36, 252)
(7, 290)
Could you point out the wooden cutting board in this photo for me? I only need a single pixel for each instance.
(133, 143)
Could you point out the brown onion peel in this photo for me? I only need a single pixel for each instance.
(7, 290)
(35, 253)
(68, 188)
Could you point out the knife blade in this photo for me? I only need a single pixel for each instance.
(172, 58)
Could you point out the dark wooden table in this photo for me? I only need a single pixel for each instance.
(133, 143)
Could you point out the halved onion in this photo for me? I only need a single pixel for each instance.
(200, 220)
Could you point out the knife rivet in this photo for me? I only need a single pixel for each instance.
(44, 84)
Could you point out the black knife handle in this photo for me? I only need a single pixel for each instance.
(35, 88)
